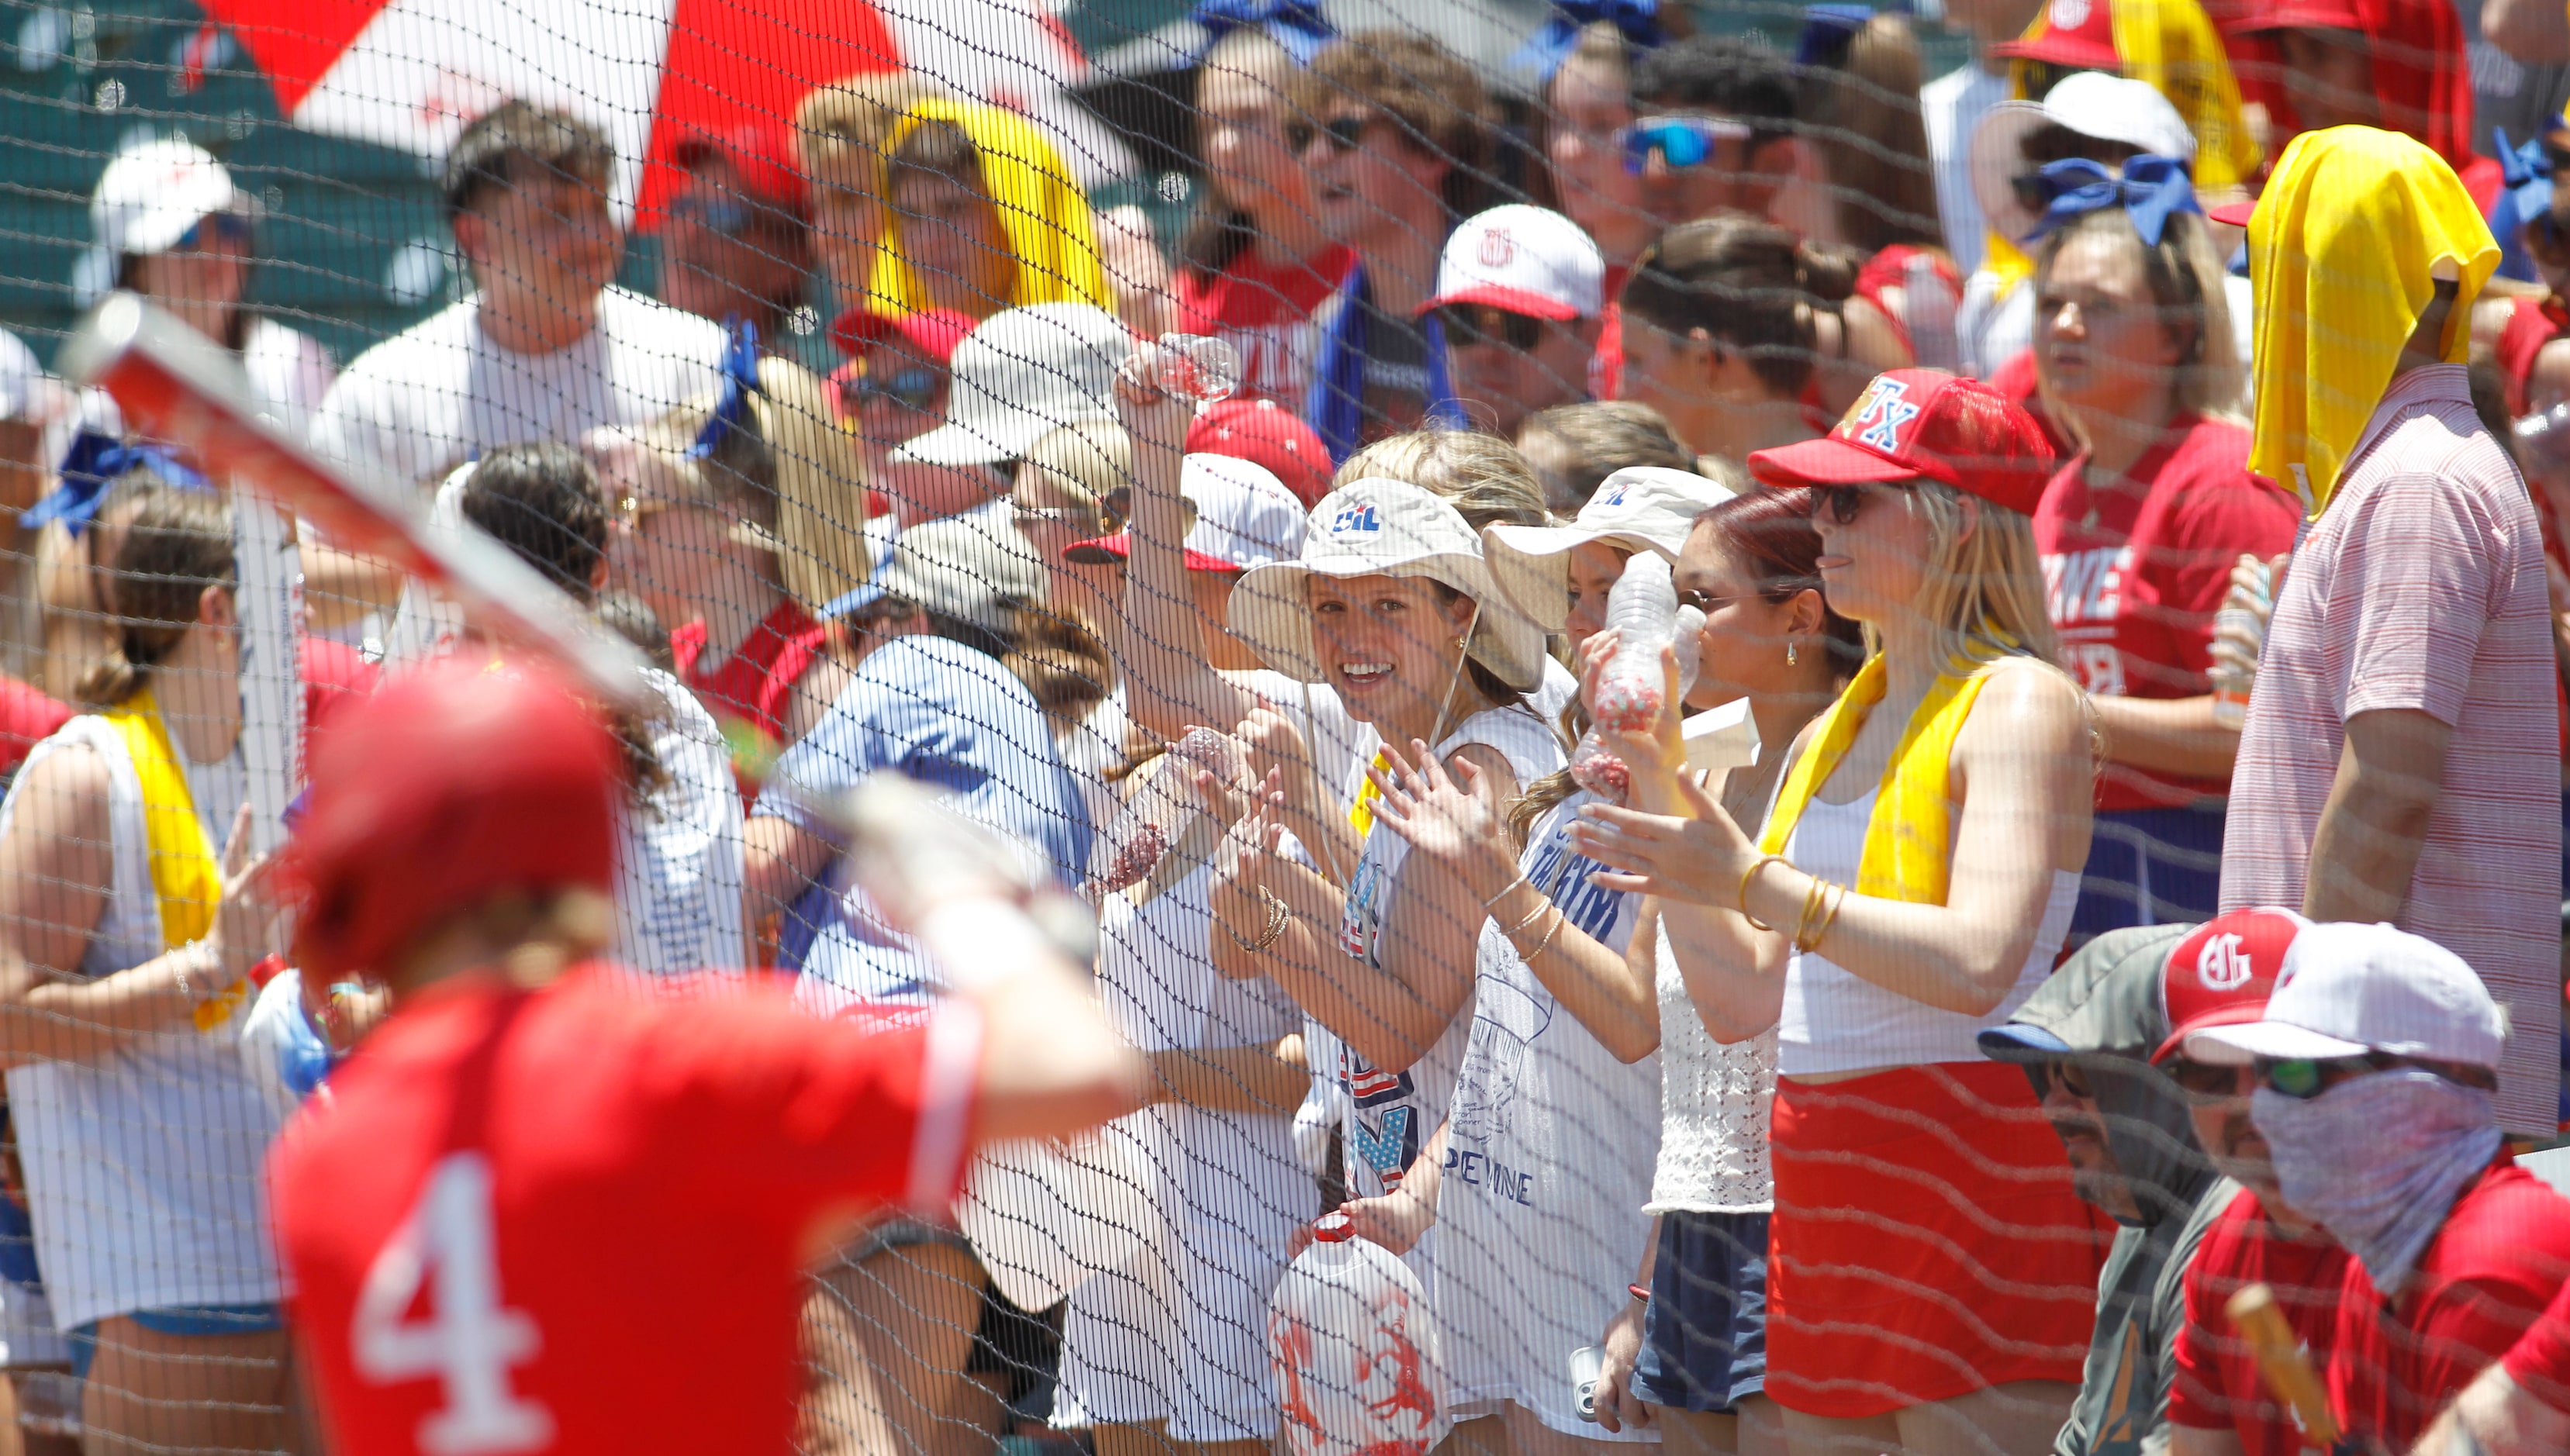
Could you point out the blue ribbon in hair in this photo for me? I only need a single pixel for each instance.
(94, 462)
(2527, 170)
(741, 381)
(1826, 31)
(1549, 46)
(1336, 405)
(1296, 25)
(2151, 190)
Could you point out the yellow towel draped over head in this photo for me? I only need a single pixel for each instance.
(1043, 212)
(2342, 254)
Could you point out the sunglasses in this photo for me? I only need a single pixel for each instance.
(911, 389)
(2204, 1081)
(230, 227)
(1681, 141)
(1346, 133)
(2303, 1078)
(1468, 324)
(1843, 503)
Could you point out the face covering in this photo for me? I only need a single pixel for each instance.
(2379, 1161)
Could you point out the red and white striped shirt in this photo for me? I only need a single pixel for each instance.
(2421, 586)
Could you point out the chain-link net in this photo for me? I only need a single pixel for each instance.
(1251, 460)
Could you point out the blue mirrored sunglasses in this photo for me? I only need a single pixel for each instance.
(1681, 141)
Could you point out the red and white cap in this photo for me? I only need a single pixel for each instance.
(1528, 260)
(2073, 32)
(1910, 422)
(1265, 433)
(2223, 974)
(2348, 989)
(1244, 518)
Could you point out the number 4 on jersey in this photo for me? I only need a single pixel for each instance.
(467, 1341)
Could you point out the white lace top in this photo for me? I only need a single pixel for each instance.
(1714, 1103)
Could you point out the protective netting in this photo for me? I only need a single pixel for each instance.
(1209, 447)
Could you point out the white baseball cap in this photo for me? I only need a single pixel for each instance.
(2090, 103)
(147, 199)
(1641, 508)
(2346, 989)
(1020, 375)
(1528, 260)
(973, 567)
(1244, 518)
(1380, 528)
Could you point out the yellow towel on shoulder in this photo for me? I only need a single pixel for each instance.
(2341, 257)
(1050, 229)
(1906, 854)
(185, 874)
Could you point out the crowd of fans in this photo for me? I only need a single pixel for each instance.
(2097, 481)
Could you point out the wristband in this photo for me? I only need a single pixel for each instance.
(1639, 1291)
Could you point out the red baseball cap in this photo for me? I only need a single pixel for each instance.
(449, 786)
(1263, 433)
(761, 156)
(2236, 214)
(2293, 15)
(932, 334)
(2222, 975)
(2078, 33)
(1910, 422)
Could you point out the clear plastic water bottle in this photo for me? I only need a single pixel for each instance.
(2232, 681)
(1158, 814)
(1643, 611)
(1355, 1350)
(1595, 766)
(1201, 367)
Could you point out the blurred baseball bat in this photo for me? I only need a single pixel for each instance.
(2288, 1374)
(176, 384)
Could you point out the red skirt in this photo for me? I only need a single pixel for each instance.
(1926, 1242)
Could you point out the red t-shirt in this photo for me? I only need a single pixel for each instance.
(2541, 1361)
(1890, 268)
(27, 718)
(1606, 366)
(2218, 1385)
(575, 1221)
(2017, 380)
(748, 694)
(1264, 310)
(2133, 572)
(2495, 1265)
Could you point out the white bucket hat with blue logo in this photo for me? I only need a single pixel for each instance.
(1641, 508)
(1380, 528)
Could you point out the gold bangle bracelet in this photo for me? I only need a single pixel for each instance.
(1558, 918)
(1831, 918)
(1761, 863)
(1812, 895)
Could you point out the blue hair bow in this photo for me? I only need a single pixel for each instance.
(2527, 170)
(1549, 47)
(2151, 189)
(741, 381)
(1297, 25)
(93, 462)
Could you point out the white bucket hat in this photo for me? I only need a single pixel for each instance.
(1641, 508)
(1020, 375)
(1380, 528)
(2090, 103)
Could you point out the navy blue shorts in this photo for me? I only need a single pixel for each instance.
(2149, 867)
(183, 1319)
(1704, 1337)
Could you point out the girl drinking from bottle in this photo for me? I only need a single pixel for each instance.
(1932, 1275)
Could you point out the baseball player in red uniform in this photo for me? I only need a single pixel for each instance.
(537, 1211)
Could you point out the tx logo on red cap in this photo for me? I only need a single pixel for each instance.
(1875, 419)
(2223, 964)
(1497, 248)
(2069, 14)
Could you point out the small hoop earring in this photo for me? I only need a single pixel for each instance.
(1792, 655)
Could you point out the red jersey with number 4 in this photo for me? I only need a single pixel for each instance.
(2134, 570)
(576, 1221)
(2217, 1387)
(2499, 1259)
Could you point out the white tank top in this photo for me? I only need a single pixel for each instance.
(1836, 1021)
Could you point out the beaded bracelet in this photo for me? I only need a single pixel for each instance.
(1503, 891)
(1540, 905)
(1555, 929)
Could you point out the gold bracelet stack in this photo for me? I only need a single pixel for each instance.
(1824, 900)
(1761, 863)
(1278, 918)
(1555, 929)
